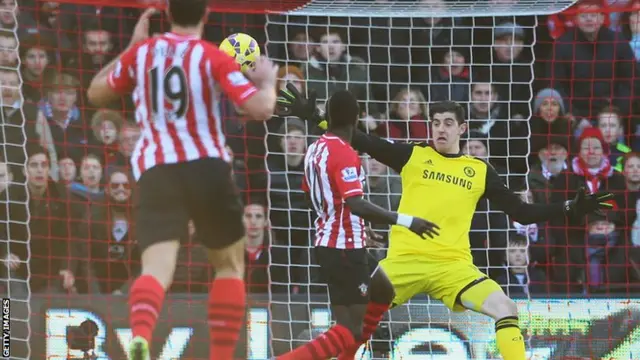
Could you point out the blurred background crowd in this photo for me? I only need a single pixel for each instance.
(552, 103)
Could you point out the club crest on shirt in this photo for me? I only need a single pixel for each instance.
(468, 170)
(363, 289)
(350, 174)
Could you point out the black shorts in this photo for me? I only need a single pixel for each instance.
(347, 273)
(201, 190)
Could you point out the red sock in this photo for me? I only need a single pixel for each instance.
(227, 302)
(325, 346)
(145, 303)
(373, 316)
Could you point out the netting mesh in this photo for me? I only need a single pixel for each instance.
(532, 80)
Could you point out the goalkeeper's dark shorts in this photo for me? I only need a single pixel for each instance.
(202, 190)
(347, 273)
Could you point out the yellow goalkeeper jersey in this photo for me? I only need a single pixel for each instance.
(445, 190)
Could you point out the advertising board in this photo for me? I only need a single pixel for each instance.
(555, 328)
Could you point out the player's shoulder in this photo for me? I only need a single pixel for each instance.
(481, 163)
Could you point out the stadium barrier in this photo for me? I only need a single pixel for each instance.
(556, 328)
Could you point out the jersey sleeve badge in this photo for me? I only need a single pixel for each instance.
(350, 174)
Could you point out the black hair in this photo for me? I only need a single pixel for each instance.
(343, 110)
(187, 12)
(517, 239)
(447, 106)
(35, 149)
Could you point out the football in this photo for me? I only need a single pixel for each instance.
(243, 48)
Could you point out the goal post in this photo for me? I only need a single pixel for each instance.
(398, 56)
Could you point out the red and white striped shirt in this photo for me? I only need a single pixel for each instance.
(332, 173)
(177, 82)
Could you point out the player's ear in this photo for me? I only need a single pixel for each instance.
(462, 128)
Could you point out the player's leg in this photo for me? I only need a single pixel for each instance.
(346, 273)
(486, 296)
(216, 210)
(161, 220)
(381, 294)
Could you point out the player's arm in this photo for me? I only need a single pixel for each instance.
(116, 78)
(344, 172)
(375, 214)
(255, 96)
(395, 155)
(513, 205)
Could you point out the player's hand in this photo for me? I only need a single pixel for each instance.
(292, 103)
(141, 31)
(373, 239)
(264, 74)
(424, 228)
(584, 204)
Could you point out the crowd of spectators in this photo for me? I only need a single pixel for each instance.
(552, 108)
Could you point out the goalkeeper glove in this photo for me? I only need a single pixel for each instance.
(292, 103)
(584, 204)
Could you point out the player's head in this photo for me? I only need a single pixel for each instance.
(447, 125)
(187, 13)
(343, 110)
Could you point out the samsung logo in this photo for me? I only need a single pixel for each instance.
(449, 179)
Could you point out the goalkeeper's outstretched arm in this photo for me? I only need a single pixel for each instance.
(393, 154)
(513, 205)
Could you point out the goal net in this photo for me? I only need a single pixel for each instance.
(529, 74)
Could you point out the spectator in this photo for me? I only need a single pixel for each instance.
(63, 116)
(631, 27)
(332, 68)
(68, 171)
(450, 80)
(127, 140)
(8, 49)
(106, 125)
(519, 277)
(36, 58)
(407, 118)
(90, 176)
(541, 241)
(108, 227)
(550, 118)
(50, 235)
(293, 75)
(591, 168)
(551, 161)
(301, 47)
(605, 256)
(511, 67)
(10, 261)
(631, 206)
(384, 188)
(426, 40)
(49, 22)
(18, 118)
(260, 277)
(288, 214)
(591, 78)
(97, 51)
(506, 135)
(610, 124)
(11, 16)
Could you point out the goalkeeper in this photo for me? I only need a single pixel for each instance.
(440, 184)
